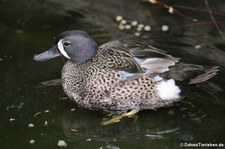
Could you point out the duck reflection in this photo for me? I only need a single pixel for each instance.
(160, 124)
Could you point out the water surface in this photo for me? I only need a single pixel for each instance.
(29, 27)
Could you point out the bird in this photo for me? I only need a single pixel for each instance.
(122, 75)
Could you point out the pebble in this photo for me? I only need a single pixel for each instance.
(127, 26)
(46, 111)
(32, 141)
(153, 1)
(139, 29)
(121, 27)
(140, 25)
(165, 28)
(74, 130)
(62, 143)
(198, 46)
(147, 28)
(137, 34)
(46, 123)
(195, 20)
(123, 22)
(134, 23)
(30, 125)
(171, 10)
(119, 18)
(12, 119)
(73, 109)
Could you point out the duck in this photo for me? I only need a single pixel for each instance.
(122, 75)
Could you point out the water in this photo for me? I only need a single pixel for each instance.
(29, 27)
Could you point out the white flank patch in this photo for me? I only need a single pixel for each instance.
(61, 49)
(168, 90)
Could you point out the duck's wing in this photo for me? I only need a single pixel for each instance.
(115, 55)
(136, 57)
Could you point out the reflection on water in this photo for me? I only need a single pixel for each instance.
(29, 27)
(86, 126)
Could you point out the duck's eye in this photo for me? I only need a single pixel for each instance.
(66, 43)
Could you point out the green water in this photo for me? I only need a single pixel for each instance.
(29, 27)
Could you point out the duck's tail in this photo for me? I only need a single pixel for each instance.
(175, 83)
(187, 75)
(207, 73)
(192, 74)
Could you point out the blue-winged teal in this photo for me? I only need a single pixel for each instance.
(121, 75)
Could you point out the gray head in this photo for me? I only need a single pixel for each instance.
(75, 45)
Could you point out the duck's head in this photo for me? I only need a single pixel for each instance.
(75, 45)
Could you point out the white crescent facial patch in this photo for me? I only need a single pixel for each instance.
(61, 49)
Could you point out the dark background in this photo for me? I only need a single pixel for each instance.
(28, 27)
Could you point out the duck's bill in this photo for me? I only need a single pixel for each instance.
(51, 53)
